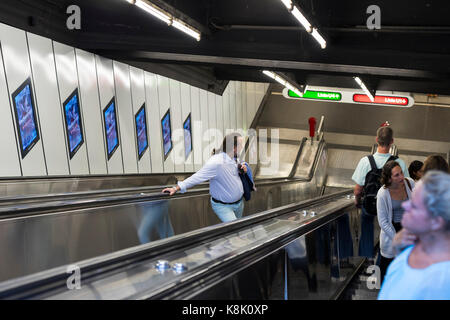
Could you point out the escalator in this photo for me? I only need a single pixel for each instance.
(263, 256)
(80, 224)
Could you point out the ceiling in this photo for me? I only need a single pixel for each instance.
(411, 51)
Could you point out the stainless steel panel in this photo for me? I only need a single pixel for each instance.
(12, 249)
(17, 187)
(287, 153)
(313, 266)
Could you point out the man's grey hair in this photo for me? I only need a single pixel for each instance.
(436, 194)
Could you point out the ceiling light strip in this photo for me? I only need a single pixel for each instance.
(363, 86)
(167, 18)
(304, 22)
(283, 82)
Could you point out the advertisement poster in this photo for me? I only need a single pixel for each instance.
(73, 123)
(166, 133)
(25, 117)
(111, 131)
(141, 131)
(187, 136)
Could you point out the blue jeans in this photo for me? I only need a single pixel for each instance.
(155, 218)
(228, 212)
(366, 241)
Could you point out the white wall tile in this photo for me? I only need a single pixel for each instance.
(9, 161)
(251, 102)
(88, 90)
(197, 128)
(125, 115)
(239, 107)
(154, 122)
(17, 68)
(67, 75)
(138, 100)
(164, 105)
(106, 90)
(233, 110)
(204, 110)
(186, 110)
(50, 107)
(177, 125)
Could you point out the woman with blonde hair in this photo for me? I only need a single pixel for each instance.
(422, 270)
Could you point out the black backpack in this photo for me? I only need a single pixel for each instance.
(372, 184)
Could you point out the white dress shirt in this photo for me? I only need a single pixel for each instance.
(222, 173)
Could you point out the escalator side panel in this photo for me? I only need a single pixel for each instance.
(314, 266)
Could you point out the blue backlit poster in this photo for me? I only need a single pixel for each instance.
(166, 134)
(26, 122)
(187, 136)
(74, 126)
(111, 132)
(141, 131)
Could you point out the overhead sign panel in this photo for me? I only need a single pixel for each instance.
(392, 100)
(321, 95)
(354, 96)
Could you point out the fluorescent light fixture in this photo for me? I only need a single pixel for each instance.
(167, 18)
(280, 80)
(186, 29)
(269, 74)
(319, 38)
(304, 22)
(287, 3)
(301, 18)
(155, 11)
(363, 86)
(283, 81)
(294, 89)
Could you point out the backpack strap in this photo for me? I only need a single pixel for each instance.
(373, 165)
(392, 158)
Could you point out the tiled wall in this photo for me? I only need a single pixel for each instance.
(56, 70)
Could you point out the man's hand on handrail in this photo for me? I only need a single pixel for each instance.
(171, 191)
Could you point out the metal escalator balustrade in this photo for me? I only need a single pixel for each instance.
(69, 230)
(209, 255)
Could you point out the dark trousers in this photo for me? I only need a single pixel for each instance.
(385, 262)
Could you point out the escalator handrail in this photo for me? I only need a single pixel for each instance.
(92, 267)
(49, 204)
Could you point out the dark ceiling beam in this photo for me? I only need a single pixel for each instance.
(272, 64)
(200, 77)
(357, 28)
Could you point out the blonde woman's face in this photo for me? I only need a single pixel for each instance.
(416, 217)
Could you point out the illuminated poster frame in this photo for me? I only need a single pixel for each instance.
(69, 135)
(141, 131)
(22, 128)
(113, 127)
(187, 129)
(166, 131)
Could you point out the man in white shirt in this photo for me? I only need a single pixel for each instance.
(384, 139)
(225, 186)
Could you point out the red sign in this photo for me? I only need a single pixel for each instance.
(397, 101)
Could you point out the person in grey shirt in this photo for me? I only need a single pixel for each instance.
(395, 190)
(225, 186)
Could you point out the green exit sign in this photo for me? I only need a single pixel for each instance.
(320, 95)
